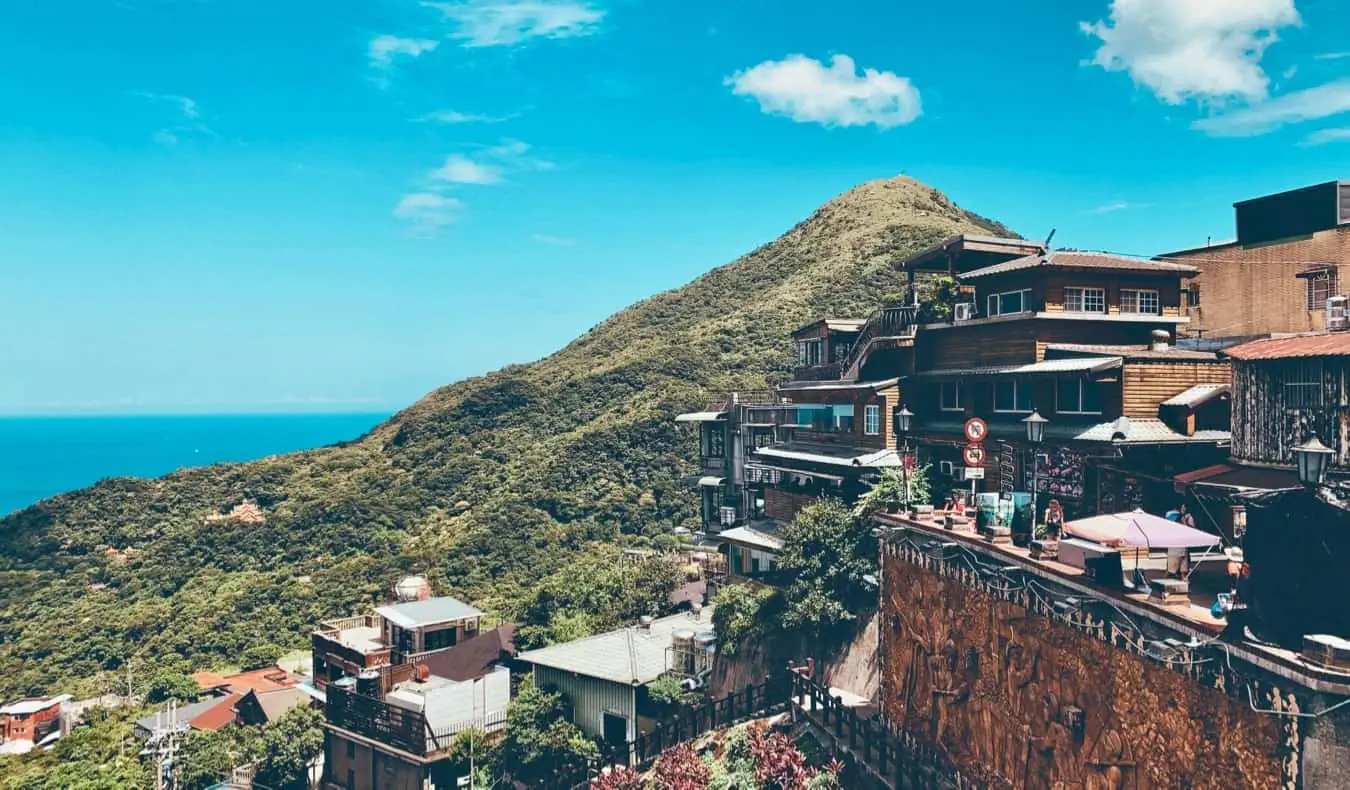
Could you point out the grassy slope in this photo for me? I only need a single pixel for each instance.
(486, 484)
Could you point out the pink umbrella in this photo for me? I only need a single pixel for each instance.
(1138, 528)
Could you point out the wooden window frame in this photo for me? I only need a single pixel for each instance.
(1139, 301)
(1017, 397)
(1083, 291)
(1059, 407)
(942, 402)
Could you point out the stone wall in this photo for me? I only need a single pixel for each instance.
(1020, 690)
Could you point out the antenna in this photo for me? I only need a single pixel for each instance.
(1048, 238)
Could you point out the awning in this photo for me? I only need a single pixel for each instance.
(1080, 365)
(1248, 478)
(752, 538)
(787, 470)
(701, 416)
(830, 454)
(1138, 528)
(711, 481)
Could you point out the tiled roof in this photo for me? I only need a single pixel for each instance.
(1065, 259)
(1065, 365)
(1197, 395)
(1326, 344)
(218, 716)
(630, 656)
(429, 612)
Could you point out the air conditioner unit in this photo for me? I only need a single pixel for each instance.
(946, 468)
(1337, 320)
(964, 311)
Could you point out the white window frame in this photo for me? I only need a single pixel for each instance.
(1139, 301)
(993, 301)
(1017, 392)
(872, 420)
(1059, 407)
(942, 391)
(1083, 292)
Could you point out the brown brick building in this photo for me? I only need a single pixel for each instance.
(1290, 254)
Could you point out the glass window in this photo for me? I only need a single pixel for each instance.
(1303, 384)
(949, 398)
(1078, 396)
(809, 352)
(1010, 303)
(716, 440)
(1193, 295)
(1138, 302)
(872, 420)
(843, 418)
(1010, 397)
(1085, 300)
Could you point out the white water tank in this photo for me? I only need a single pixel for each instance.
(412, 588)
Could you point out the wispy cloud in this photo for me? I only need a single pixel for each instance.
(1324, 136)
(553, 241)
(451, 117)
(460, 169)
(189, 117)
(1197, 49)
(384, 49)
(808, 91)
(1311, 104)
(427, 212)
(494, 23)
(1113, 207)
(1332, 56)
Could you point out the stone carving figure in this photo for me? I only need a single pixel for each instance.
(1108, 768)
(1052, 759)
(951, 690)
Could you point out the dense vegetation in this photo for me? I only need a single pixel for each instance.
(487, 485)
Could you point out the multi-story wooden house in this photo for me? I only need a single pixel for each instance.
(1289, 257)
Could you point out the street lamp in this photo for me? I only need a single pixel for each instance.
(1035, 435)
(903, 419)
(1312, 457)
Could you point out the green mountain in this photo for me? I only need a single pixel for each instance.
(486, 485)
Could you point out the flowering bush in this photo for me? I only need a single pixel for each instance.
(681, 768)
(618, 779)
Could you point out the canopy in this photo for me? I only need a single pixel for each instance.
(1140, 529)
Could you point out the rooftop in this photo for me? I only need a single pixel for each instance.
(1124, 431)
(474, 657)
(631, 656)
(1197, 395)
(750, 536)
(32, 705)
(831, 454)
(833, 324)
(1076, 260)
(265, 679)
(798, 386)
(1084, 365)
(1324, 344)
(972, 242)
(432, 611)
(1132, 352)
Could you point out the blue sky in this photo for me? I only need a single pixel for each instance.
(251, 205)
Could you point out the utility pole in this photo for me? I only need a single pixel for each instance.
(165, 749)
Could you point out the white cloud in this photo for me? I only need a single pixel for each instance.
(460, 169)
(1323, 101)
(1111, 208)
(1192, 49)
(451, 117)
(383, 49)
(807, 91)
(491, 23)
(1332, 56)
(186, 107)
(428, 212)
(553, 241)
(1324, 136)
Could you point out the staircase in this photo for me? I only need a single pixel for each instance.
(888, 323)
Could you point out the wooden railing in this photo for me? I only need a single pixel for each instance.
(899, 321)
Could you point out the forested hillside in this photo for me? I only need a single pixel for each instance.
(486, 485)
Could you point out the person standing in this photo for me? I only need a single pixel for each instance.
(1184, 516)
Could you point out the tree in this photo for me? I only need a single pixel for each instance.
(827, 552)
(667, 690)
(172, 686)
(538, 738)
(261, 656)
(938, 295)
(681, 768)
(287, 747)
(894, 491)
(736, 615)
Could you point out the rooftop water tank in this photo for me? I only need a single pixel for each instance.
(412, 588)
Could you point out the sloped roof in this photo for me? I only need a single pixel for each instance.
(1327, 344)
(1072, 259)
(1197, 395)
(630, 656)
(830, 454)
(751, 537)
(1122, 431)
(798, 386)
(275, 704)
(414, 614)
(473, 657)
(1065, 365)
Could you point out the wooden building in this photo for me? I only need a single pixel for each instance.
(1291, 253)
(823, 347)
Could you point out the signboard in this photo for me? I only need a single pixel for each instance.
(976, 430)
(974, 472)
(1007, 469)
(973, 455)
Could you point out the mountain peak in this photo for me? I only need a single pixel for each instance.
(905, 199)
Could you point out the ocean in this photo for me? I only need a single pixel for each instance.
(43, 456)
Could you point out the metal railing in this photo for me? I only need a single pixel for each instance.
(899, 321)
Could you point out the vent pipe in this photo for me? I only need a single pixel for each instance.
(1161, 340)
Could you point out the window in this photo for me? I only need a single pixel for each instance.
(1008, 302)
(1138, 302)
(872, 420)
(446, 637)
(826, 419)
(843, 418)
(949, 398)
(709, 496)
(1321, 284)
(809, 352)
(762, 437)
(838, 351)
(714, 440)
(1193, 295)
(1010, 397)
(1303, 384)
(1078, 396)
(1085, 300)
(351, 750)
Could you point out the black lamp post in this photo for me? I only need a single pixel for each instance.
(1035, 435)
(904, 420)
(1313, 457)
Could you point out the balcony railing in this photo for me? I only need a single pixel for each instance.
(399, 727)
(826, 372)
(887, 322)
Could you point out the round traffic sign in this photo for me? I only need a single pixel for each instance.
(973, 455)
(976, 430)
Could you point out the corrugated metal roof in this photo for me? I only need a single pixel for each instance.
(701, 416)
(1242, 477)
(630, 656)
(1122, 431)
(798, 386)
(1326, 344)
(751, 537)
(834, 455)
(1066, 259)
(1197, 395)
(711, 481)
(429, 612)
(1065, 365)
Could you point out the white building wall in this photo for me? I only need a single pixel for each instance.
(477, 704)
(591, 699)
